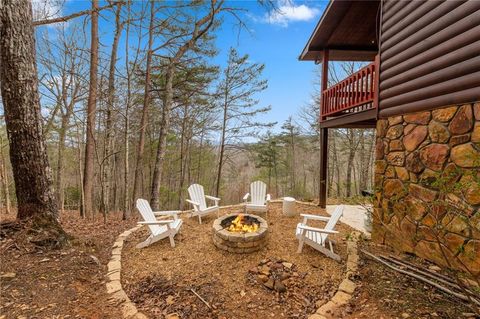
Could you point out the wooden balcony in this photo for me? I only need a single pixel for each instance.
(353, 95)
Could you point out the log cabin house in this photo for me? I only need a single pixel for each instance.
(421, 91)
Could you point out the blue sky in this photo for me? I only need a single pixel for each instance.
(275, 39)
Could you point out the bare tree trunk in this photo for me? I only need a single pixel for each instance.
(162, 139)
(89, 171)
(222, 146)
(21, 101)
(337, 164)
(4, 178)
(80, 171)
(60, 156)
(108, 149)
(351, 157)
(126, 176)
(137, 184)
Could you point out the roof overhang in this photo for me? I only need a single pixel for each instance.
(348, 29)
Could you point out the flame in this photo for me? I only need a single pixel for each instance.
(239, 225)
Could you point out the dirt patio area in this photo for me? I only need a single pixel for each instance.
(159, 278)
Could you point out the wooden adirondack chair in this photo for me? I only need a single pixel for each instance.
(260, 198)
(159, 229)
(198, 200)
(318, 237)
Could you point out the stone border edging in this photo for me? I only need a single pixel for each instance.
(114, 285)
(347, 286)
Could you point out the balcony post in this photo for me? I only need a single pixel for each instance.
(323, 138)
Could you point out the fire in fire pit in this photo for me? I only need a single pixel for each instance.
(240, 233)
(242, 224)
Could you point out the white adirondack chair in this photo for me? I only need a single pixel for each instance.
(260, 198)
(198, 200)
(159, 229)
(318, 237)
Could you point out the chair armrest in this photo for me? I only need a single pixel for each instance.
(192, 202)
(156, 222)
(167, 212)
(268, 197)
(246, 196)
(173, 213)
(318, 230)
(316, 217)
(215, 199)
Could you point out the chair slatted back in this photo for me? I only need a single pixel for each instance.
(258, 192)
(337, 213)
(197, 194)
(146, 211)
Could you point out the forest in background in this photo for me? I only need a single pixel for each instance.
(163, 117)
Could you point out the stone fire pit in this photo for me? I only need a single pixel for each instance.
(237, 241)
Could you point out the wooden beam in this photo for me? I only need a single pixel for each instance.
(323, 140)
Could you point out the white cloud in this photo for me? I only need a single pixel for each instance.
(289, 12)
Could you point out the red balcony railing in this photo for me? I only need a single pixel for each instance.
(354, 94)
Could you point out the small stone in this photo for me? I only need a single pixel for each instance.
(459, 139)
(382, 126)
(287, 265)
(379, 149)
(380, 167)
(129, 309)
(402, 173)
(437, 132)
(320, 302)
(390, 171)
(476, 133)
(396, 158)
(279, 286)
(316, 316)
(393, 187)
(425, 194)
(395, 131)
(413, 162)
(269, 284)
(170, 299)
(396, 145)
(444, 114)
(434, 156)
(172, 316)
(471, 189)
(8, 275)
(465, 155)
(395, 120)
(462, 122)
(327, 308)
(341, 298)
(242, 293)
(405, 315)
(114, 265)
(265, 270)
(409, 128)
(262, 278)
(415, 138)
(95, 260)
(417, 118)
(476, 111)
(113, 286)
(347, 286)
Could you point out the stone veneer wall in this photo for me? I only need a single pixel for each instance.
(413, 153)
